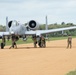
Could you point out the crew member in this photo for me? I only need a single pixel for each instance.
(3, 42)
(35, 40)
(43, 42)
(13, 42)
(69, 41)
(39, 41)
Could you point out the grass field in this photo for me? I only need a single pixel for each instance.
(71, 73)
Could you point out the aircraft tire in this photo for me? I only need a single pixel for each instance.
(2, 45)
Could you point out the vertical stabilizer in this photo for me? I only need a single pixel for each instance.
(7, 28)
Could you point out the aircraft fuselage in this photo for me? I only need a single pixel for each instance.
(17, 29)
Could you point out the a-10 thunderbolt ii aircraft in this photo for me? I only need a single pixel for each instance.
(13, 27)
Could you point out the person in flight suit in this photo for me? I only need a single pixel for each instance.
(69, 41)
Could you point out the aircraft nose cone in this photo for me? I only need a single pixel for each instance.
(12, 32)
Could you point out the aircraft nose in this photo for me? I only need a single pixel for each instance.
(12, 32)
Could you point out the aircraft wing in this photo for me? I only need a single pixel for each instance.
(4, 33)
(39, 32)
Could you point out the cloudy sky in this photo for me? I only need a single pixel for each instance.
(26, 10)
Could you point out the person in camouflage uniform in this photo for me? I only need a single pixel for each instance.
(43, 42)
(69, 41)
(35, 40)
(13, 38)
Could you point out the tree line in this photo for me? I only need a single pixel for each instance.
(60, 33)
(53, 26)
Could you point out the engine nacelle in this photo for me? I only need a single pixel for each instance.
(10, 24)
(13, 22)
(33, 25)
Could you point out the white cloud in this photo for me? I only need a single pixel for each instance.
(25, 10)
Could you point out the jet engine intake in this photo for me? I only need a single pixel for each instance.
(9, 24)
(12, 23)
(33, 25)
